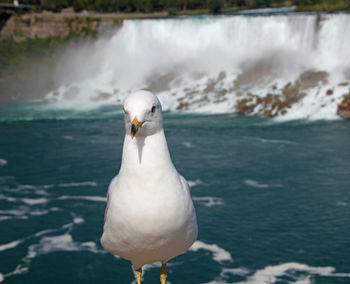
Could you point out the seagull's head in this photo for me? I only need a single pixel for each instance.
(142, 114)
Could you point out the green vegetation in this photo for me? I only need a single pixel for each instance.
(149, 6)
(174, 7)
(324, 5)
(184, 6)
(15, 55)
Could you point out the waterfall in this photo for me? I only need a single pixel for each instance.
(216, 64)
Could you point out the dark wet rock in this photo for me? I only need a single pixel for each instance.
(212, 84)
(329, 92)
(221, 93)
(220, 100)
(182, 106)
(204, 99)
(191, 93)
(210, 87)
(272, 104)
(279, 101)
(245, 106)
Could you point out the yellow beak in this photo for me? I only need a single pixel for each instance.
(135, 125)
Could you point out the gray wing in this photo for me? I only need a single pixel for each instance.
(185, 183)
(108, 193)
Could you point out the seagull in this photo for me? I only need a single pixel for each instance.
(149, 215)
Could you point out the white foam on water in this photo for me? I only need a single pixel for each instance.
(3, 163)
(271, 274)
(78, 220)
(10, 245)
(240, 271)
(3, 218)
(6, 217)
(69, 226)
(25, 212)
(187, 144)
(82, 197)
(273, 141)
(225, 272)
(50, 244)
(34, 201)
(19, 211)
(256, 184)
(44, 232)
(304, 280)
(219, 254)
(68, 137)
(78, 184)
(193, 183)
(38, 212)
(208, 201)
(47, 186)
(345, 275)
(55, 243)
(342, 203)
(296, 273)
(24, 188)
(89, 245)
(7, 198)
(64, 242)
(15, 212)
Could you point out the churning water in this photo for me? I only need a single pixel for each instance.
(272, 200)
(206, 64)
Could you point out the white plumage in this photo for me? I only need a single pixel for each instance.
(149, 215)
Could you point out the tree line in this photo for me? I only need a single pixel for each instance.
(149, 6)
(174, 6)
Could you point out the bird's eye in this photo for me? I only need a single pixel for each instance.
(153, 109)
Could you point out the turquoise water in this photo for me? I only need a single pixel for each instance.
(272, 199)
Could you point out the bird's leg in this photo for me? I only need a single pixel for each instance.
(163, 274)
(138, 273)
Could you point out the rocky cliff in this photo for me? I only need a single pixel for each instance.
(44, 25)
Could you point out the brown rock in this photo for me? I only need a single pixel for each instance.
(210, 87)
(101, 97)
(182, 106)
(344, 114)
(311, 79)
(344, 107)
(46, 24)
(329, 92)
